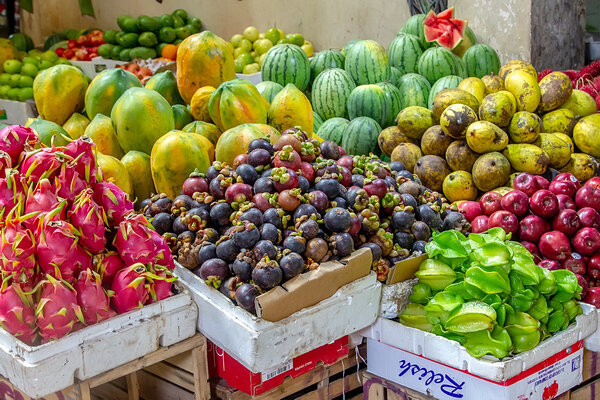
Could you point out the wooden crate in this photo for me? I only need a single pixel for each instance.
(336, 381)
(591, 365)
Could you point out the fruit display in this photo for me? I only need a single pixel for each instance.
(145, 37)
(84, 48)
(487, 293)
(587, 79)
(142, 73)
(250, 47)
(73, 251)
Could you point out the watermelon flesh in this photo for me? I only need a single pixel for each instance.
(443, 29)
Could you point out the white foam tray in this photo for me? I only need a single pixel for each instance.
(453, 354)
(592, 343)
(17, 112)
(394, 298)
(41, 370)
(255, 78)
(260, 345)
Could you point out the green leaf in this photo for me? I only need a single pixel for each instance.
(26, 5)
(86, 8)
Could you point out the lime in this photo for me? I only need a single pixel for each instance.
(251, 68)
(130, 24)
(4, 79)
(250, 33)
(166, 20)
(238, 51)
(281, 33)
(159, 48)
(13, 93)
(182, 32)
(245, 44)
(191, 28)
(261, 58)
(30, 60)
(195, 22)
(12, 66)
(181, 14)
(308, 49)
(246, 58)
(236, 40)
(142, 52)
(124, 55)
(3, 90)
(148, 39)
(177, 21)
(14, 80)
(25, 81)
(177, 41)
(128, 40)
(239, 65)
(273, 35)
(166, 34)
(284, 40)
(29, 70)
(147, 24)
(49, 55)
(116, 51)
(261, 36)
(44, 64)
(110, 36)
(297, 39)
(105, 50)
(63, 61)
(25, 94)
(261, 46)
(35, 53)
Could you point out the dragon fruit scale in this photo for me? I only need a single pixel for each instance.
(15, 139)
(113, 200)
(17, 251)
(5, 163)
(57, 311)
(68, 183)
(88, 218)
(43, 200)
(130, 288)
(107, 265)
(83, 153)
(164, 256)
(12, 189)
(92, 298)
(42, 163)
(17, 313)
(160, 283)
(134, 240)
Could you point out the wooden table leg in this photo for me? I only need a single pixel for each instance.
(201, 385)
(82, 391)
(133, 387)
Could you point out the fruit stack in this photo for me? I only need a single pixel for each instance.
(73, 251)
(84, 48)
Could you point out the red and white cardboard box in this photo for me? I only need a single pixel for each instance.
(543, 381)
(222, 365)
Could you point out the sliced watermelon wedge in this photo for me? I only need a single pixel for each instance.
(443, 29)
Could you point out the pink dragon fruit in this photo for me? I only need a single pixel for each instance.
(163, 257)
(42, 200)
(59, 254)
(92, 298)
(130, 289)
(5, 163)
(17, 314)
(134, 240)
(57, 311)
(83, 152)
(107, 265)
(12, 190)
(42, 163)
(68, 183)
(113, 200)
(88, 218)
(17, 251)
(15, 139)
(160, 283)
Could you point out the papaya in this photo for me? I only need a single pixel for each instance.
(75, 125)
(174, 156)
(59, 91)
(138, 167)
(210, 147)
(140, 117)
(237, 102)
(49, 132)
(113, 170)
(165, 83)
(209, 131)
(199, 103)
(106, 88)
(203, 59)
(291, 108)
(181, 116)
(102, 132)
(236, 140)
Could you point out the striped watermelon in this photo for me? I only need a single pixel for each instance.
(333, 129)
(360, 136)
(414, 26)
(395, 75)
(404, 52)
(330, 93)
(447, 82)
(436, 63)
(286, 63)
(368, 101)
(317, 122)
(469, 39)
(367, 63)
(21, 41)
(414, 90)
(269, 89)
(392, 102)
(461, 67)
(481, 60)
(347, 47)
(325, 59)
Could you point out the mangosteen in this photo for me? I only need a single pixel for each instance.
(329, 186)
(179, 225)
(421, 231)
(267, 274)
(330, 150)
(195, 183)
(319, 200)
(309, 229)
(259, 158)
(247, 173)
(342, 244)
(406, 174)
(143, 204)
(375, 250)
(340, 202)
(404, 240)
(303, 184)
(267, 173)
(419, 246)
(402, 220)
(307, 210)
(247, 236)
(207, 235)
(214, 272)
(270, 232)
(455, 220)
(264, 185)
(212, 172)
(159, 204)
(390, 182)
(220, 213)
(216, 189)
(337, 219)
(243, 265)
(430, 216)
(295, 243)
(206, 251)
(397, 166)
(273, 216)
(181, 203)
(264, 248)
(358, 180)
(163, 222)
(410, 187)
(291, 265)
(196, 218)
(409, 200)
(227, 250)
(260, 144)
(229, 287)
(245, 295)
(253, 215)
(316, 249)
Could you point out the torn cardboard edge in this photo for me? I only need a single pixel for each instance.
(405, 269)
(308, 289)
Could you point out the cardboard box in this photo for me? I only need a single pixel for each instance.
(17, 112)
(405, 269)
(592, 342)
(545, 380)
(100, 64)
(255, 78)
(86, 66)
(222, 365)
(394, 298)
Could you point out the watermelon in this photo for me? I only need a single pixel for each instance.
(468, 40)
(360, 136)
(347, 47)
(333, 129)
(404, 52)
(317, 122)
(51, 40)
(436, 63)
(414, 90)
(367, 63)
(330, 93)
(461, 67)
(368, 101)
(286, 63)
(447, 82)
(481, 60)
(443, 29)
(21, 41)
(325, 59)
(392, 102)
(269, 89)
(414, 26)
(395, 75)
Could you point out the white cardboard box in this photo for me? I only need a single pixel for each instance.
(260, 345)
(546, 380)
(86, 66)
(255, 78)
(100, 64)
(592, 342)
(394, 298)
(17, 112)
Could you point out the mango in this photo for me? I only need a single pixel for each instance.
(503, 189)
(475, 86)
(455, 120)
(413, 121)
(75, 125)
(138, 168)
(102, 132)
(581, 103)
(567, 139)
(490, 171)
(524, 127)
(435, 141)
(114, 170)
(583, 166)
(527, 158)
(459, 185)
(432, 170)
(448, 97)
(498, 108)
(556, 88)
(484, 137)
(460, 157)
(557, 149)
(586, 135)
(525, 88)
(561, 120)
(517, 65)
(408, 154)
(493, 83)
(391, 137)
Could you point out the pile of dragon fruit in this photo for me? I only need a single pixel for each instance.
(586, 79)
(73, 252)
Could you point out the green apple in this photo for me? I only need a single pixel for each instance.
(12, 66)
(29, 70)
